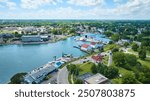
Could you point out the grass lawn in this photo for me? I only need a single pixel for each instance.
(117, 81)
(145, 62)
(105, 60)
(123, 71)
(84, 68)
(132, 51)
(110, 47)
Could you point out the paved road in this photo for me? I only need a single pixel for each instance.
(110, 59)
(62, 77)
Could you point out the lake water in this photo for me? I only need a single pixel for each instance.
(24, 58)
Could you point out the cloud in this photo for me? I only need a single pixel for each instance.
(117, 1)
(11, 5)
(34, 4)
(86, 2)
(133, 6)
(132, 9)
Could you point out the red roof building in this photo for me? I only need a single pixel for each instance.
(85, 45)
(93, 43)
(97, 58)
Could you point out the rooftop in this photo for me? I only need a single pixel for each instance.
(85, 45)
(97, 79)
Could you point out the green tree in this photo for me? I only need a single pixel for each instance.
(135, 46)
(77, 72)
(128, 78)
(17, 78)
(119, 58)
(111, 72)
(131, 59)
(101, 68)
(146, 78)
(115, 37)
(108, 33)
(126, 44)
(115, 50)
(142, 54)
(78, 81)
(94, 69)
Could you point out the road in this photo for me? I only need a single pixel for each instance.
(62, 77)
(110, 59)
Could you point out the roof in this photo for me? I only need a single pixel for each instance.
(85, 76)
(29, 36)
(97, 79)
(85, 45)
(97, 58)
(38, 74)
(93, 43)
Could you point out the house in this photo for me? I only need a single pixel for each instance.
(96, 45)
(138, 43)
(97, 58)
(97, 79)
(31, 38)
(122, 41)
(86, 47)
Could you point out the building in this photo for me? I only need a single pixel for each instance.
(122, 41)
(44, 37)
(94, 45)
(31, 38)
(97, 79)
(138, 43)
(86, 47)
(97, 58)
(1, 40)
(84, 76)
(36, 76)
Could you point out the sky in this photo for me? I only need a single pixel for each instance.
(75, 9)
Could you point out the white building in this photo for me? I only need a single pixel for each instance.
(97, 79)
(37, 75)
(31, 38)
(1, 40)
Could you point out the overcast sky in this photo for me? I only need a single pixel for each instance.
(75, 9)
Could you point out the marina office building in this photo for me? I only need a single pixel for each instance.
(34, 38)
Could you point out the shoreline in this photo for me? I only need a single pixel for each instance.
(33, 43)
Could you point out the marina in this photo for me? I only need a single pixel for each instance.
(26, 58)
(37, 75)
